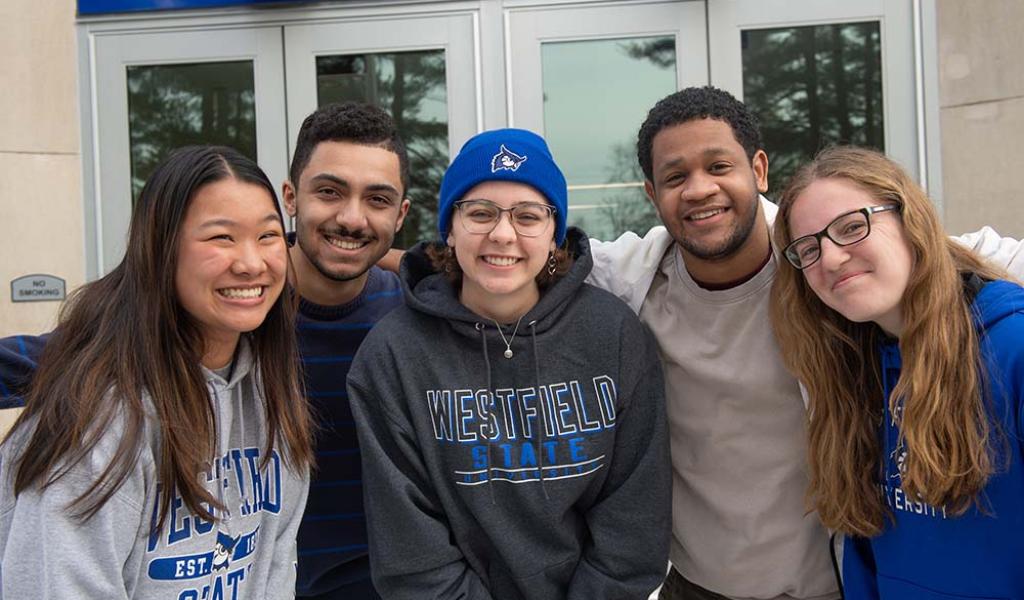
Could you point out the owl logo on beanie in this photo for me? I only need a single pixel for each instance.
(506, 160)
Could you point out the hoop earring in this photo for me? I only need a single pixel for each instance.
(552, 263)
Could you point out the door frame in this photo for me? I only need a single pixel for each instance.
(103, 157)
(539, 24)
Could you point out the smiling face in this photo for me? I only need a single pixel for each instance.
(499, 268)
(348, 204)
(866, 280)
(706, 190)
(232, 263)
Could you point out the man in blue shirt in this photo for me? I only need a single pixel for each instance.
(346, 192)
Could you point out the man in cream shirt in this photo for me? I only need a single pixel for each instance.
(701, 283)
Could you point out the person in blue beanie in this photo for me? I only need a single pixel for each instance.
(909, 346)
(511, 417)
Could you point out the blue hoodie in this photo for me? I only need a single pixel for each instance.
(926, 553)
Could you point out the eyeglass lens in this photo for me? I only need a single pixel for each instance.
(481, 216)
(844, 230)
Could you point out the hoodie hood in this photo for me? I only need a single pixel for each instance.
(230, 390)
(997, 301)
(429, 292)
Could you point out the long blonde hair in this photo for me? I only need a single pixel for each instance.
(944, 424)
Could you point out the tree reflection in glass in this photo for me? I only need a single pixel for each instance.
(176, 105)
(591, 121)
(411, 87)
(811, 87)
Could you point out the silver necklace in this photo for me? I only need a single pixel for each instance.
(508, 342)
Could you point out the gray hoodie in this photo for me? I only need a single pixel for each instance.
(248, 553)
(541, 476)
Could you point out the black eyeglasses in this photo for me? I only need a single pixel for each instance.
(529, 219)
(847, 228)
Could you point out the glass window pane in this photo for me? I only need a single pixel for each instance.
(411, 86)
(591, 124)
(811, 87)
(177, 105)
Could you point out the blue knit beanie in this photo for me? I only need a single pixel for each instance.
(504, 155)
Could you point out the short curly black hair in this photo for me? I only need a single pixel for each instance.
(348, 122)
(697, 103)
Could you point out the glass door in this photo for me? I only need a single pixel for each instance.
(155, 91)
(585, 77)
(820, 73)
(421, 69)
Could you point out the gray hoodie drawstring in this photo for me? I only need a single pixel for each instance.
(218, 469)
(543, 411)
(241, 423)
(487, 362)
(223, 442)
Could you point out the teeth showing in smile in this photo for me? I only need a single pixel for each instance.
(705, 214)
(242, 293)
(345, 244)
(501, 261)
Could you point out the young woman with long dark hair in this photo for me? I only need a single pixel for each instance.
(164, 448)
(909, 346)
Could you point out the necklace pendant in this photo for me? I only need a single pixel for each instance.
(508, 353)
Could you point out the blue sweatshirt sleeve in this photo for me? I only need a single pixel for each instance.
(19, 357)
(411, 552)
(859, 573)
(626, 555)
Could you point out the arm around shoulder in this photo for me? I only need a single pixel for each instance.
(1005, 252)
(19, 358)
(626, 267)
(391, 260)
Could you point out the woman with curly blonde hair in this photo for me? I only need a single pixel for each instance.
(909, 348)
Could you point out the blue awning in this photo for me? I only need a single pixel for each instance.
(96, 7)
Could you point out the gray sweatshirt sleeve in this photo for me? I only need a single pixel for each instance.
(411, 553)
(50, 554)
(630, 523)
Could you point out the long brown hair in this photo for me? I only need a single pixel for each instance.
(944, 424)
(127, 334)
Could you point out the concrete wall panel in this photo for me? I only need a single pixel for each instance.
(39, 106)
(980, 45)
(42, 232)
(982, 166)
(41, 216)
